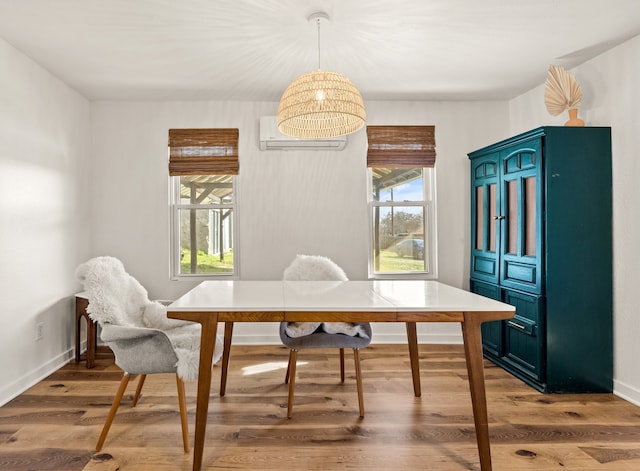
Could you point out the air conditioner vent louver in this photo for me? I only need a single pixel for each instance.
(272, 139)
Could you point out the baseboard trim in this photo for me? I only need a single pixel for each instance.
(626, 392)
(33, 377)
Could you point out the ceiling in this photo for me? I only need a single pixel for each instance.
(252, 49)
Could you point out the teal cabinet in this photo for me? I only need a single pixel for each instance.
(491, 331)
(541, 240)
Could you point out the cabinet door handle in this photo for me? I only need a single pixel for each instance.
(497, 218)
(516, 325)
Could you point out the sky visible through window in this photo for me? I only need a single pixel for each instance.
(409, 191)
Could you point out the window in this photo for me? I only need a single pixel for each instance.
(202, 167)
(401, 174)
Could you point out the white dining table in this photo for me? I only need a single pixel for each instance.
(406, 301)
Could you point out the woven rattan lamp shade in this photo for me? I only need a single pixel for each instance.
(320, 105)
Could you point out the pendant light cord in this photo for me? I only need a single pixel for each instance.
(318, 16)
(318, 20)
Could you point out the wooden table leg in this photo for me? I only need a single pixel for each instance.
(473, 353)
(226, 352)
(412, 341)
(207, 344)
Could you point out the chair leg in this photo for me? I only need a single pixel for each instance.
(293, 358)
(136, 396)
(226, 352)
(356, 358)
(342, 365)
(412, 341)
(182, 403)
(286, 376)
(112, 411)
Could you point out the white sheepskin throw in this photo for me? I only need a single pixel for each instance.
(314, 268)
(115, 297)
(318, 268)
(300, 329)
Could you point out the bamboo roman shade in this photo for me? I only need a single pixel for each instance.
(401, 146)
(203, 152)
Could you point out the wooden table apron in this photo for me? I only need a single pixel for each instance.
(470, 322)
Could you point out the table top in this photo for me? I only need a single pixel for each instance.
(330, 296)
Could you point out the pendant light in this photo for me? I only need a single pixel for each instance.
(320, 104)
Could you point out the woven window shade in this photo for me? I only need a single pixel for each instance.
(401, 146)
(203, 152)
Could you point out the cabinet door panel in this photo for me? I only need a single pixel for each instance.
(519, 272)
(521, 226)
(485, 267)
(524, 334)
(485, 200)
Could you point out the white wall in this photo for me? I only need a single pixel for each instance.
(288, 202)
(610, 95)
(44, 207)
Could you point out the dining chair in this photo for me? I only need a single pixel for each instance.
(303, 335)
(142, 338)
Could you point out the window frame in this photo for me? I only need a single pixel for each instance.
(175, 206)
(429, 226)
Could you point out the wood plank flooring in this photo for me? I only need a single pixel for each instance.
(55, 424)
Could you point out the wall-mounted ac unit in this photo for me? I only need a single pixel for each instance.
(272, 139)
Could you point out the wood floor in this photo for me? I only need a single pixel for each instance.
(55, 424)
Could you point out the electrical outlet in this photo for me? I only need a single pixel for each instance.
(39, 330)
